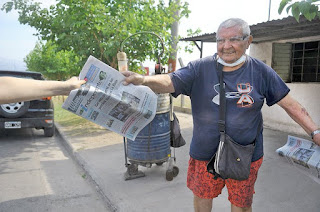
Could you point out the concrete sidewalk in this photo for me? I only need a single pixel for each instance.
(280, 186)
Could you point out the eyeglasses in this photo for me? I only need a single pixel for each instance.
(233, 40)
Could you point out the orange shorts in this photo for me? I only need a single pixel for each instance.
(202, 184)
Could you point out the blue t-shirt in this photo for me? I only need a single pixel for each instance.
(246, 89)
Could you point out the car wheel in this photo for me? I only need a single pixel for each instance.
(14, 110)
(49, 131)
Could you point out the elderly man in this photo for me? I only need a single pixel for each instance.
(17, 89)
(248, 82)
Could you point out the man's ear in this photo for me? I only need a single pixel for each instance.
(249, 41)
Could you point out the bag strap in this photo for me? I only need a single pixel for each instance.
(222, 100)
(223, 104)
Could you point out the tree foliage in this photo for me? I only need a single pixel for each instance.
(97, 27)
(52, 63)
(308, 8)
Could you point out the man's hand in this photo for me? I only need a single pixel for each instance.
(316, 139)
(160, 83)
(133, 78)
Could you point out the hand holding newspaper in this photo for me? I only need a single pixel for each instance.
(303, 154)
(105, 101)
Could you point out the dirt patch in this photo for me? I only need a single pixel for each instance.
(83, 137)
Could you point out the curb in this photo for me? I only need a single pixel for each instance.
(90, 175)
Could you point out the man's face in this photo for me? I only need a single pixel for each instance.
(231, 44)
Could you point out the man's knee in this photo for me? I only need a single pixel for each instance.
(202, 205)
(240, 209)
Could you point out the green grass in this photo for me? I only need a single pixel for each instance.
(78, 124)
(64, 117)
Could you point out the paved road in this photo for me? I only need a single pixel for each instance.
(37, 174)
(280, 186)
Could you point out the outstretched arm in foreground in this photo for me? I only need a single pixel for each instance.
(16, 89)
(300, 115)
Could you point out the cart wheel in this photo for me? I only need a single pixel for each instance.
(169, 175)
(159, 164)
(175, 171)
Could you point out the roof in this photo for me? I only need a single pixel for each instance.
(22, 74)
(282, 29)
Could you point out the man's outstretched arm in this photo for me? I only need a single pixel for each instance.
(300, 115)
(161, 83)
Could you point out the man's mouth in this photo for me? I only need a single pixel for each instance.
(228, 52)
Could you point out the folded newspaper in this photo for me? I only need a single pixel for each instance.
(303, 154)
(105, 101)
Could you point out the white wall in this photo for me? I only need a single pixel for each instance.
(307, 94)
(262, 51)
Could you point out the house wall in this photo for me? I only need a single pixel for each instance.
(307, 94)
(262, 51)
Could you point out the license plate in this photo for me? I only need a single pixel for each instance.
(12, 124)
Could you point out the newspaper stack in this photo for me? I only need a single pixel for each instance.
(105, 101)
(303, 154)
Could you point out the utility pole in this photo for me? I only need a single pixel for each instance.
(174, 36)
(269, 10)
(174, 46)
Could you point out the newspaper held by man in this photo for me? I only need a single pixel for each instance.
(303, 154)
(105, 101)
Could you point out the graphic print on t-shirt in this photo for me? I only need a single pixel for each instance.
(242, 94)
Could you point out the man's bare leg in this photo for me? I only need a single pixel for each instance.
(237, 209)
(202, 205)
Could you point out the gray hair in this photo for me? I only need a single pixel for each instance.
(235, 22)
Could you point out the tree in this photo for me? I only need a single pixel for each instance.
(52, 63)
(97, 27)
(308, 8)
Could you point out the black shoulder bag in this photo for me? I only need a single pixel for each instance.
(176, 139)
(232, 160)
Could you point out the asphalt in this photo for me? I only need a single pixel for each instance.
(280, 187)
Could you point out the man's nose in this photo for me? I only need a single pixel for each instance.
(227, 43)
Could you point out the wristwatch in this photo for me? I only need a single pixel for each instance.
(314, 133)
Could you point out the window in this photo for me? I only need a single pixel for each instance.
(305, 62)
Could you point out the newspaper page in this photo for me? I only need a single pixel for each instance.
(105, 101)
(303, 154)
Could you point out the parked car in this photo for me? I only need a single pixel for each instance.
(29, 114)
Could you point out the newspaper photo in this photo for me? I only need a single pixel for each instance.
(105, 101)
(303, 154)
